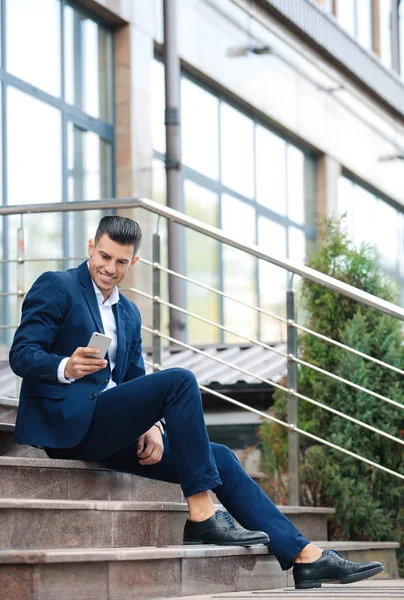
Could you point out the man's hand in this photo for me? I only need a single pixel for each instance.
(79, 364)
(150, 447)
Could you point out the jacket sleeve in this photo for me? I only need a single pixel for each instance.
(43, 311)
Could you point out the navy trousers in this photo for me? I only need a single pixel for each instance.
(125, 412)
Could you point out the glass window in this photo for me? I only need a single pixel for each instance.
(272, 279)
(239, 269)
(383, 226)
(34, 150)
(386, 232)
(385, 33)
(159, 194)
(33, 43)
(88, 65)
(200, 129)
(401, 34)
(158, 107)
(202, 264)
(364, 23)
(346, 15)
(237, 151)
(89, 178)
(297, 245)
(43, 240)
(296, 185)
(271, 170)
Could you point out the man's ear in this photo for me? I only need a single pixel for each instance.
(90, 247)
(133, 261)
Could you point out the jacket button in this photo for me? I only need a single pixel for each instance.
(93, 396)
(104, 381)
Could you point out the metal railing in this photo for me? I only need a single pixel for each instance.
(291, 356)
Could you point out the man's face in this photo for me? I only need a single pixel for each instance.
(109, 262)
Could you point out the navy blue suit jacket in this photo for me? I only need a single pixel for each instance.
(59, 314)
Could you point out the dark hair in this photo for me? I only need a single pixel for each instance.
(122, 230)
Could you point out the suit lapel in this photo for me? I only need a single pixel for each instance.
(121, 335)
(90, 296)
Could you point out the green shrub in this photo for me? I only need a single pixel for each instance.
(369, 504)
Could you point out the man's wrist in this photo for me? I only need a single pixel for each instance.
(61, 372)
(160, 426)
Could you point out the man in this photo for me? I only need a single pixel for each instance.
(107, 410)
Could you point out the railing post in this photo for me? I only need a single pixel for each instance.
(20, 269)
(20, 280)
(156, 343)
(293, 438)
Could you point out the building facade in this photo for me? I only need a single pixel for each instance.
(291, 110)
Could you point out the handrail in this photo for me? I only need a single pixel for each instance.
(276, 385)
(217, 234)
(288, 426)
(267, 347)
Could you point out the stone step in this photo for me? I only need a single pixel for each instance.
(8, 410)
(371, 589)
(47, 478)
(44, 478)
(33, 523)
(150, 573)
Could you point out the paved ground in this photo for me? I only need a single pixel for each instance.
(388, 589)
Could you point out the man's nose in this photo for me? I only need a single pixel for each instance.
(110, 268)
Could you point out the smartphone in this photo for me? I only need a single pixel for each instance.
(100, 341)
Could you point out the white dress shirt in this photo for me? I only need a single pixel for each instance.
(109, 324)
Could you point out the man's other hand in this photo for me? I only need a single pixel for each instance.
(80, 364)
(150, 447)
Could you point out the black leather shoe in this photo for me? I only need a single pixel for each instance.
(332, 568)
(221, 530)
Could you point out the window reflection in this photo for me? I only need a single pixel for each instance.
(34, 150)
(44, 237)
(385, 33)
(33, 43)
(200, 129)
(88, 65)
(382, 228)
(89, 178)
(296, 187)
(401, 34)
(158, 107)
(202, 264)
(159, 194)
(239, 268)
(346, 15)
(272, 279)
(364, 23)
(237, 151)
(271, 170)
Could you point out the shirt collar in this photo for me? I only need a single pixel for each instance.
(112, 299)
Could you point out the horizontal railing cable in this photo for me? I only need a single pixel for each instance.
(207, 321)
(348, 348)
(346, 381)
(272, 383)
(212, 289)
(263, 345)
(262, 311)
(289, 426)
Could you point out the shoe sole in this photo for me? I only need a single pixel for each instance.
(254, 543)
(348, 579)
